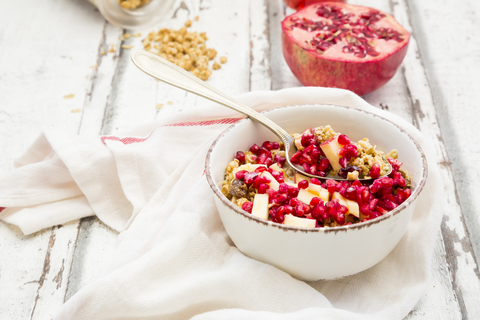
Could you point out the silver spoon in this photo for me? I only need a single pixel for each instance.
(168, 72)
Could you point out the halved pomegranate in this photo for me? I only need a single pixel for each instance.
(299, 4)
(334, 44)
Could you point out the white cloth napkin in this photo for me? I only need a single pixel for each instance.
(174, 259)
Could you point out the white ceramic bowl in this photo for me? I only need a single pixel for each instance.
(320, 253)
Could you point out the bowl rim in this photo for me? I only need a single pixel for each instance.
(286, 228)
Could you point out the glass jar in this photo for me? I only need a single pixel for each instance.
(141, 17)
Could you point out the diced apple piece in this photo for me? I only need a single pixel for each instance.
(260, 206)
(331, 148)
(291, 220)
(351, 205)
(273, 182)
(340, 198)
(353, 208)
(275, 167)
(318, 191)
(305, 196)
(299, 177)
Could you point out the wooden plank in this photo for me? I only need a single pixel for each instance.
(459, 253)
(48, 66)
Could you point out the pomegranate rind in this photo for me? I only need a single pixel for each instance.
(360, 75)
(299, 4)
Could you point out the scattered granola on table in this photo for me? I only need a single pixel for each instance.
(132, 4)
(186, 49)
(257, 181)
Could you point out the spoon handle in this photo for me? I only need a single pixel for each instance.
(168, 72)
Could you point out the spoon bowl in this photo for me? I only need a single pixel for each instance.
(168, 72)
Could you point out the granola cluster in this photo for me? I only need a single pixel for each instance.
(367, 156)
(132, 4)
(186, 49)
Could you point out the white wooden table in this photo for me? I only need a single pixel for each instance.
(49, 49)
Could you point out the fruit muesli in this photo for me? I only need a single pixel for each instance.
(257, 181)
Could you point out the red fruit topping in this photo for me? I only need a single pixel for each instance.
(280, 160)
(323, 164)
(250, 177)
(267, 145)
(254, 148)
(303, 184)
(275, 145)
(315, 181)
(263, 188)
(344, 46)
(240, 175)
(240, 156)
(261, 169)
(271, 193)
(293, 191)
(294, 202)
(343, 139)
(331, 185)
(296, 157)
(351, 193)
(247, 206)
(315, 201)
(278, 176)
(375, 171)
(395, 164)
(288, 209)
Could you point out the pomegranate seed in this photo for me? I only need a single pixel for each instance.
(288, 209)
(261, 169)
(351, 193)
(263, 188)
(293, 191)
(303, 184)
(373, 204)
(283, 188)
(387, 183)
(344, 140)
(247, 206)
(331, 185)
(280, 160)
(365, 196)
(240, 156)
(315, 181)
(323, 164)
(407, 193)
(275, 145)
(271, 193)
(265, 151)
(240, 175)
(250, 177)
(280, 198)
(300, 210)
(296, 157)
(254, 148)
(315, 201)
(374, 171)
(294, 202)
(357, 183)
(267, 145)
(342, 162)
(380, 210)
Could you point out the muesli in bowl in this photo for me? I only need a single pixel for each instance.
(313, 253)
(258, 181)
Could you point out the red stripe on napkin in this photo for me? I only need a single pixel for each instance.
(203, 123)
(2, 208)
(130, 140)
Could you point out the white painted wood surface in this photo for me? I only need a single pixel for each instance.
(53, 48)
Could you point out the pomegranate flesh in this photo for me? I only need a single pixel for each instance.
(339, 45)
